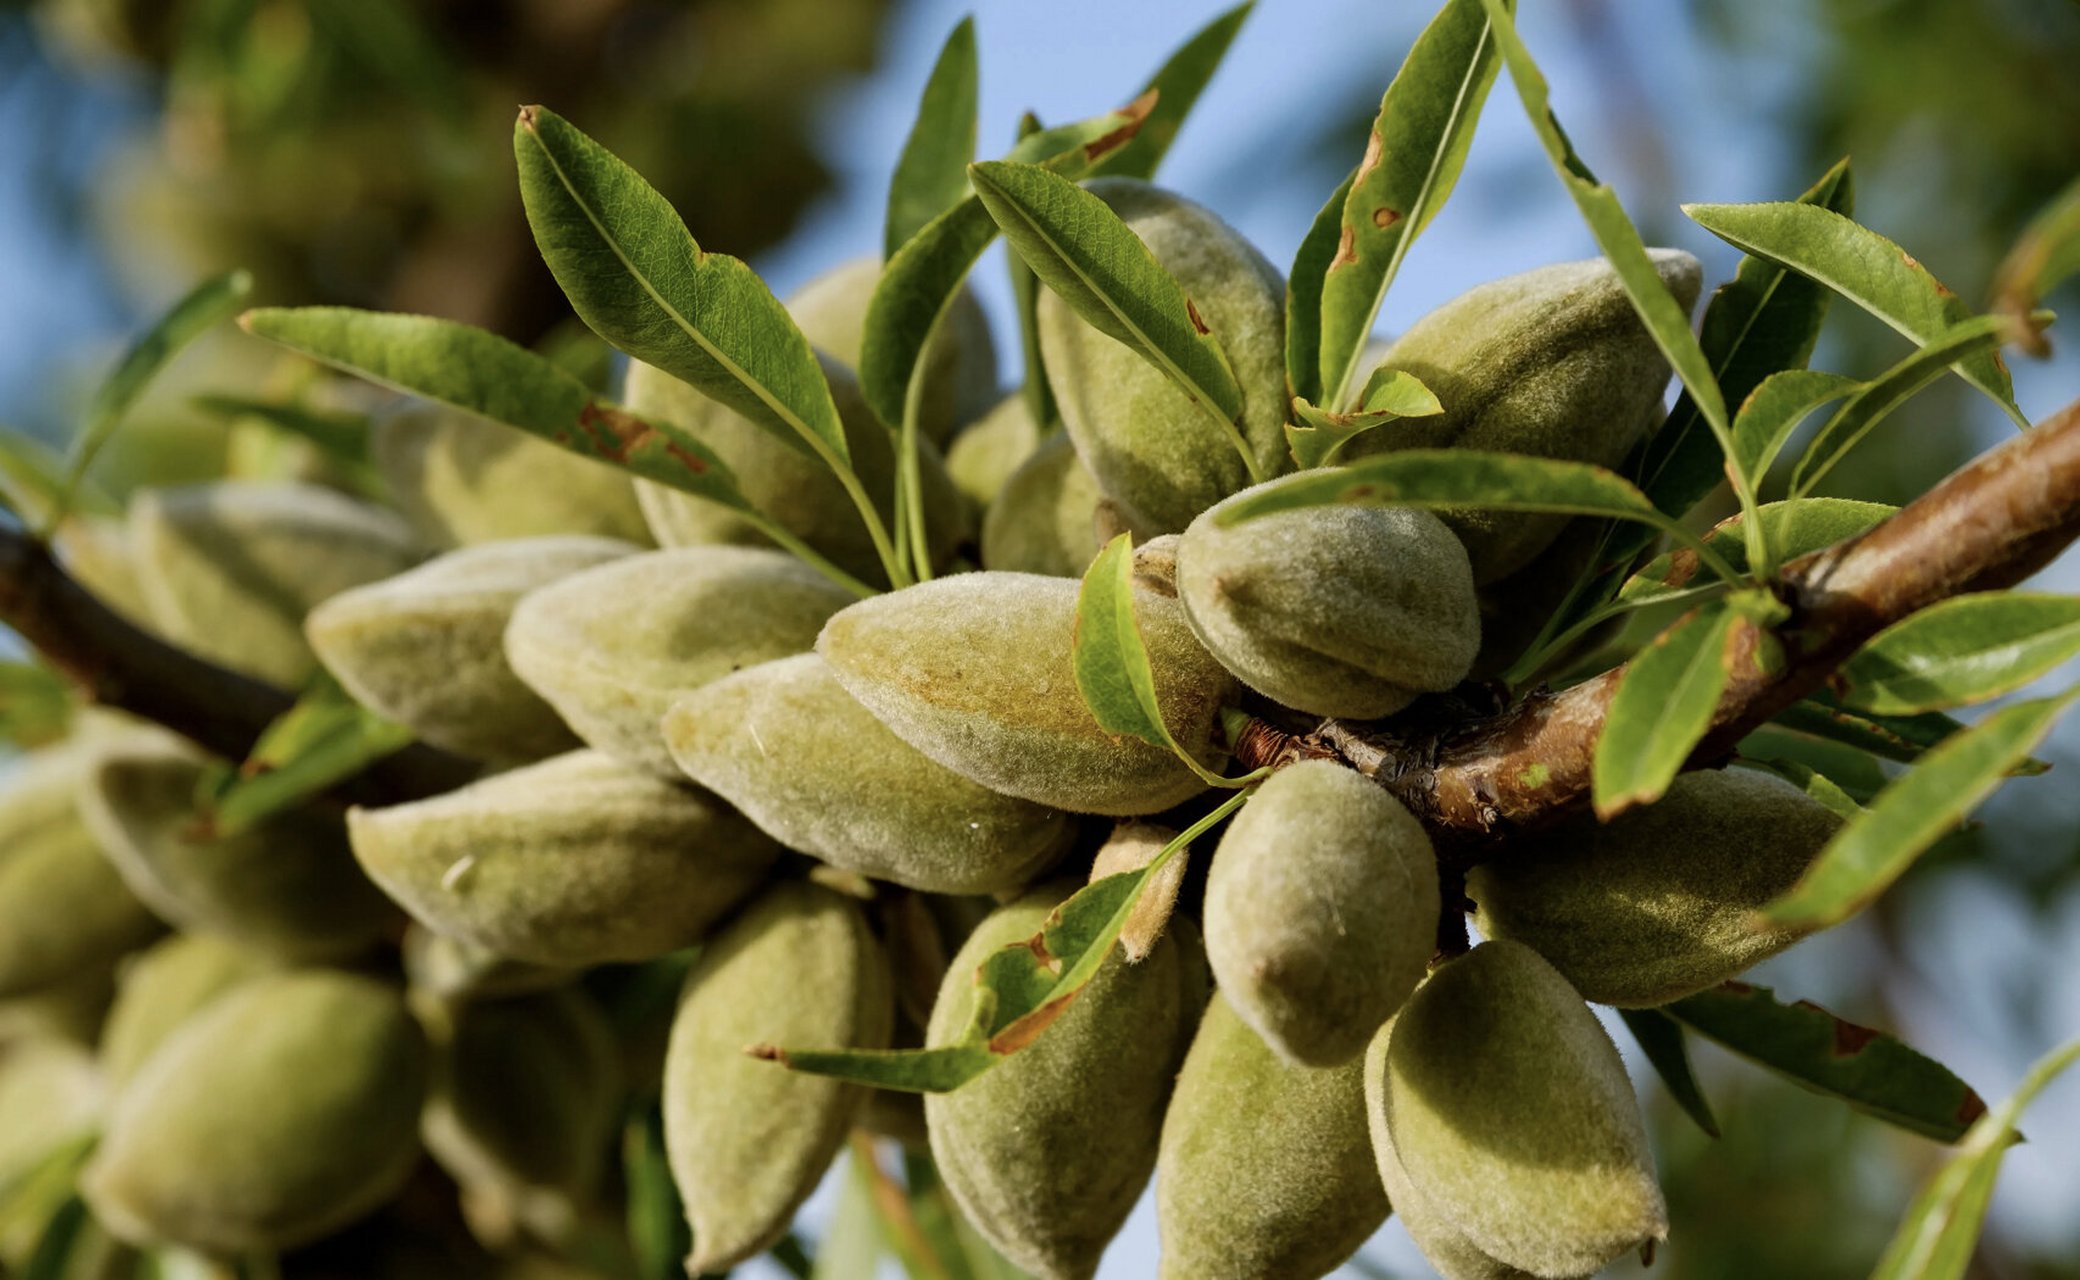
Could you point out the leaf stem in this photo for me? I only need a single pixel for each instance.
(789, 542)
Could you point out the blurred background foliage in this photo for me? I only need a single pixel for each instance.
(355, 151)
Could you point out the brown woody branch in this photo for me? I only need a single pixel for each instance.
(1986, 527)
(118, 665)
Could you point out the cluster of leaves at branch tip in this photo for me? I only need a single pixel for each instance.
(748, 1143)
(1552, 362)
(782, 740)
(426, 648)
(1321, 911)
(1047, 1153)
(280, 1112)
(165, 985)
(610, 647)
(577, 860)
(984, 455)
(1045, 518)
(1161, 457)
(1507, 1133)
(1339, 611)
(1266, 1166)
(976, 672)
(287, 886)
(1660, 902)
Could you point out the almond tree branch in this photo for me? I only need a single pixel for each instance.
(118, 665)
(1986, 527)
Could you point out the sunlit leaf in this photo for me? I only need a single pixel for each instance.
(1773, 411)
(1662, 708)
(1818, 786)
(1178, 84)
(932, 174)
(1796, 527)
(1965, 649)
(325, 738)
(1391, 395)
(1304, 294)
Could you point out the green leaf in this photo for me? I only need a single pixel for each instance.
(959, 1249)
(1390, 396)
(1871, 1071)
(32, 479)
(1660, 1038)
(2047, 255)
(214, 300)
(52, 1257)
(342, 435)
(1939, 1235)
(1095, 263)
(656, 1221)
(1869, 404)
(1862, 266)
(851, 1247)
(1304, 294)
(1662, 708)
(1853, 772)
(1796, 527)
(1867, 855)
(1965, 649)
(919, 282)
(1412, 161)
(635, 274)
(1019, 990)
(35, 704)
(1178, 84)
(1818, 786)
(1025, 295)
(1773, 411)
(1111, 662)
(932, 175)
(325, 738)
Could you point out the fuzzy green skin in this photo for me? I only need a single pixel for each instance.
(462, 480)
(1161, 457)
(749, 1140)
(1266, 1169)
(983, 457)
(1045, 520)
(455, 970)
(1658, 904)
(1511, 1113)
(427, 647)
(1552, 362)
(785, 744)
(960, 370)
(612, 646)
(1047, 1152)
(1443, 1245)
(1132, 846)
(163, 987)
(975, 672)
(63, 906)
(789, 485)
(229, 570)
(51, 1092)
(1337, 611)
(578, 860)
(526, 1094)
(287, 887)
(1321, 911)
(284, 1111)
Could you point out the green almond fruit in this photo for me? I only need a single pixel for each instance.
(452, 970)
(164, 986)
(462, 479)
(1266, 1168)
(578, 860)
(1047, 1152)
(788, 484)
(1045, 519)
(51, 1094)
(1511, 1114)
(287, 886)
(748, 1140)
(427, 647)
(1155, 565)
(1552, 362)
(1659, 903)
(1158, 454)
(785, 744)
(229, 570)
(611, 647)
(985, 455)
(280, 1113)
(1336, 611)
(64, 908)
(1130, 847)
(1321, 911)
(976, 672)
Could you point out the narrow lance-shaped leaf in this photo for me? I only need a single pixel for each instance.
(1817, 785)
(1862, 266)
(214, 300)
(1773, 411)
(1412, 161)
(1178, 84)
(1904, 738)
(1304, 294)
(1871, 1071)
(932, 174)
(1855, 772)
(1660, 1037)
(1796, 526)
(323, 739)
(32, 476)
(1662, 707)
(1966, 649)
(1025, 295)
(655, 1218)
(1871, 402)
(1391, 395)
(1867, 855)
(1939, 1236)
(2047, 255)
